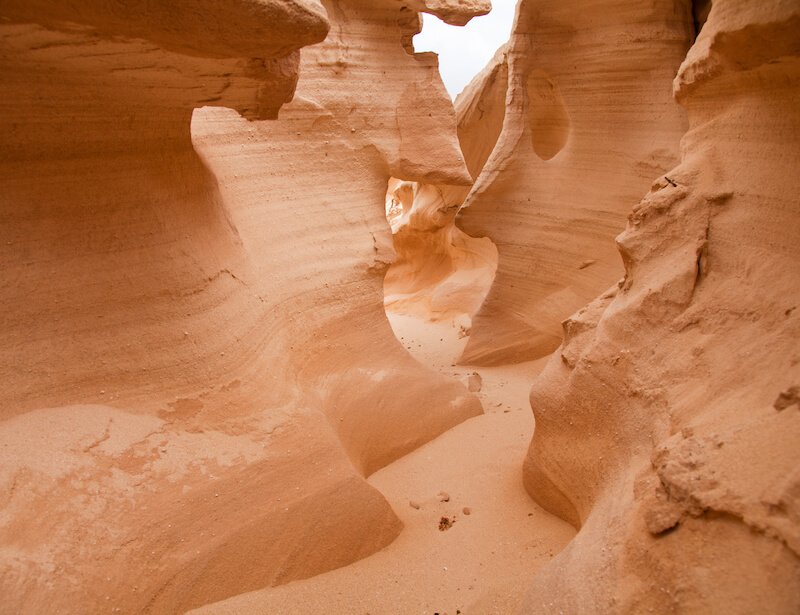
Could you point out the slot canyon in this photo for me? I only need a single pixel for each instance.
(286, 330)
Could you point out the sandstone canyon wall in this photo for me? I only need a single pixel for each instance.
(440, 272)
(667, 424)
(589, 123)
(196, 370)
(320, 173)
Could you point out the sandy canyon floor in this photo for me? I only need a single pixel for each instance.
(499, 537)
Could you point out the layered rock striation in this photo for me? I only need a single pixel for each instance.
(197, 371)
(589, 121)
(339, 131)
(667, 423)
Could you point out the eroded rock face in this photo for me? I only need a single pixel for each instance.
(454, 12)
(342, 131)
(190, 399)
(667, 423)
(590, 121)
(441, 272)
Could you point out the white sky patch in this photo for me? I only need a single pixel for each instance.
(464, 51)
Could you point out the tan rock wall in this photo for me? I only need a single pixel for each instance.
(196, 368)
(589, 123)
(667, 423)
(440, 272)
(329, 159)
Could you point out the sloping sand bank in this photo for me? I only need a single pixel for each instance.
(484, 561)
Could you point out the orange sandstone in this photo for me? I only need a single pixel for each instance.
(664, 424)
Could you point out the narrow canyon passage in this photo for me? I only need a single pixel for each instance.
(471, 533)
(439, 273)
(481, 564)
(290, 329)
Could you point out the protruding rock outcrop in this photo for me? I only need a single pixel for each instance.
(454, 12)
(589, 122)
(185, 335)
(667, 424)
